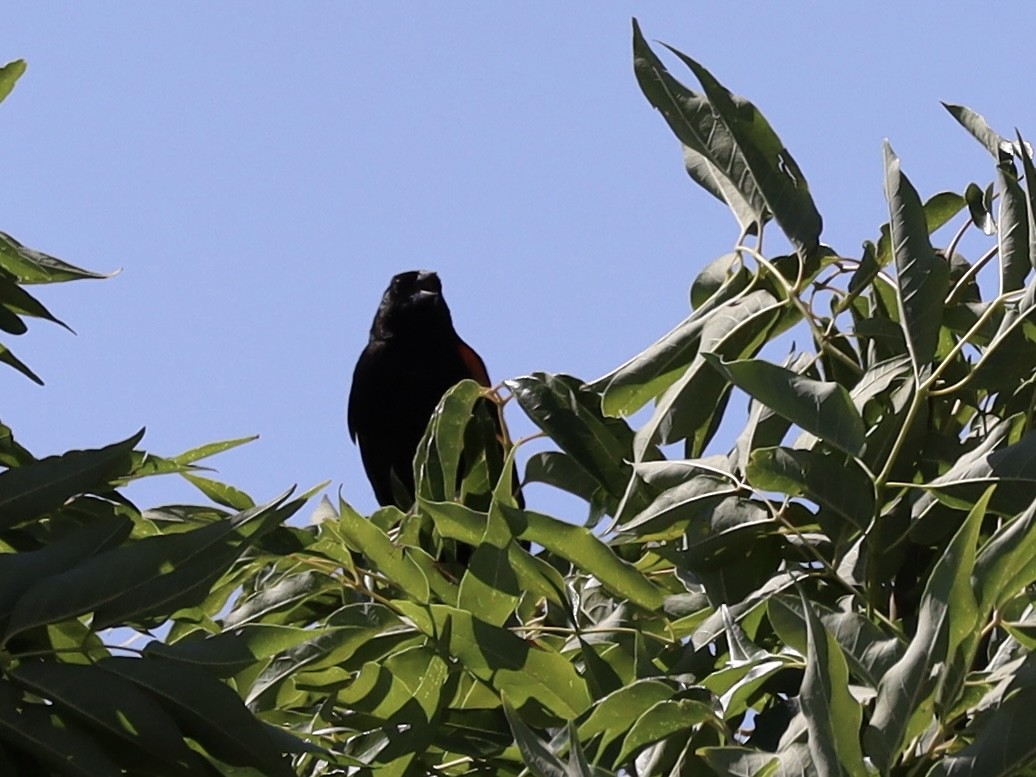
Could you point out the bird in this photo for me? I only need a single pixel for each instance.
(412, 358)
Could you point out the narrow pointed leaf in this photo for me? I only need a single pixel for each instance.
(31, 266)
(976, 124)
(206, 710)
(36, 489)
(1013, 234)
(8, 358)
(922, 276)
(773, 169)
(833, 716)
(711, 156)
(107, 702)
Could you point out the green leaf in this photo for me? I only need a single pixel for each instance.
(1003, 746)
(210, 449)
(1007, 562)
(649, 373)
(774, 172)
(948, 613)
(206, 710)
(17, 300)
(570, 415)
(868, 651)
(833, 716)
(439, 454)
(616, 713)
(922, 277)
(582, 548)
(154, 576)
(536, 754)
(9, 75)
(106, 702)
(1012, 468)
(820, 407)
(684, 492)
(561, 471)
(30, 266)
(974, 123)
(64, 746)
(938, 210)
(42, 486)
(520, 668)
(1030, 201)
(390, 559)
(686, 409)
(711, 156)
(837, 484)
(665, 718)
(8, 358)
(221, 493)
(1013, 234)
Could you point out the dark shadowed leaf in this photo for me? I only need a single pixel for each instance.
(948, 613)
(649, 373)
(980, 215)
(18, 300)
(570, 415)
(536, 754)
(1004, 745)
(8, 358)
(836, 483)
(20, 571)
(206, 710)
(36, 489)
(65, 747)
(106, 702)
(154, 576)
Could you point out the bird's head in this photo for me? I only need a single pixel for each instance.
(412, 305)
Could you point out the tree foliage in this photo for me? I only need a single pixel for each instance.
(847, 589)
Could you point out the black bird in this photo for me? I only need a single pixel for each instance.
(413, 357)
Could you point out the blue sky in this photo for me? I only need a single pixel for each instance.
(258, 171)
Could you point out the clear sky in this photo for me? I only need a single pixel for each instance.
(259, 171)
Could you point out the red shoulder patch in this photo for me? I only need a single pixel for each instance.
(476, 367)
